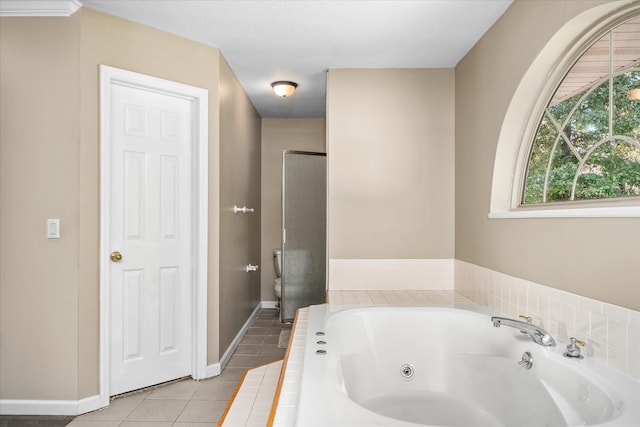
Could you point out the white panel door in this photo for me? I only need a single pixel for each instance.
(150, 228)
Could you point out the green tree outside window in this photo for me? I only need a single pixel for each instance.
(587, 145)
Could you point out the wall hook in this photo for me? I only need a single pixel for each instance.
(243, 209)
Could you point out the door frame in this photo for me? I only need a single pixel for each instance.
(199, 98)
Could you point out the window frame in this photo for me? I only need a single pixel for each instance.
(525, 112)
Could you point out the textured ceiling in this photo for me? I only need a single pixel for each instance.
(299, 40)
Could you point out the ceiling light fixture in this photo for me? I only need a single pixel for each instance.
(634, 94)
(284, 88)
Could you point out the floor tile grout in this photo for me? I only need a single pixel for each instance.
(202, 403)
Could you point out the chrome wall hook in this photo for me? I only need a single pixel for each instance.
(243, 209)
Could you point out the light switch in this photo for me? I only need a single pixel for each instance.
(53, 229)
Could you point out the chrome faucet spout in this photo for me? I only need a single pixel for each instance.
(536, 333)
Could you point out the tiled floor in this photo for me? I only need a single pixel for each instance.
(190, 403)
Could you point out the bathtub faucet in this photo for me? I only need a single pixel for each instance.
(536, 333)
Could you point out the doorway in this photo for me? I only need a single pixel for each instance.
(153, 231)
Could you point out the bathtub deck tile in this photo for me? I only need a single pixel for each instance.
(377, 298)
(349, 298)
(407, 298)
(442, 298)
(439, 299)
(252, 403)
(461, 300)
(285, 413)
(420, 297)
(335, 298)
(363, 298)
(392, 297)
(424, 297)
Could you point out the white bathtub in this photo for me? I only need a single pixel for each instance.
(465, 372)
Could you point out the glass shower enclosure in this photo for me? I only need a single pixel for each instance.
(304, 230)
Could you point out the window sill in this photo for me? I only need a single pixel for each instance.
(602, 212)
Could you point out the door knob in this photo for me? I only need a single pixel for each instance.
(116, 256)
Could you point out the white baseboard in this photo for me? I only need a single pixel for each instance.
(216, 368)
(213, 370)
(390, 274)
(269, 304)
(49, 407)
(82, 406)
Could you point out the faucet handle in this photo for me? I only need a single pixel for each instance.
(525, 318)
(577, 341)
(573, 350)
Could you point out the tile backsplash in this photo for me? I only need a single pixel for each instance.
(612, 333)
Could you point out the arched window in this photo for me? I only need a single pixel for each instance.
(587, 145)
(569, 145)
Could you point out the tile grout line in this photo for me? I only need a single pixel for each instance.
(204, 401)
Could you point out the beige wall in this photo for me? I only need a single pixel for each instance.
(391, 175)
(49, 168)
(390, 143)
(240, 128)
(279, 135)
(593, 257)
(124, 44)
(39, 179)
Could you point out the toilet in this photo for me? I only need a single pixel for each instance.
(300, 262)
(277, 264)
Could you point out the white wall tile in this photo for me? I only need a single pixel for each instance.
(634, 366)
(617, 359)
(590, 304)
(612, 333)
(634, 337)
(582, 324)
(598, 350)
(613, 311)
(618, 333)
(598, 327)
(555, 310)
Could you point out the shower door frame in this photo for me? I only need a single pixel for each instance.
(283, 233)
